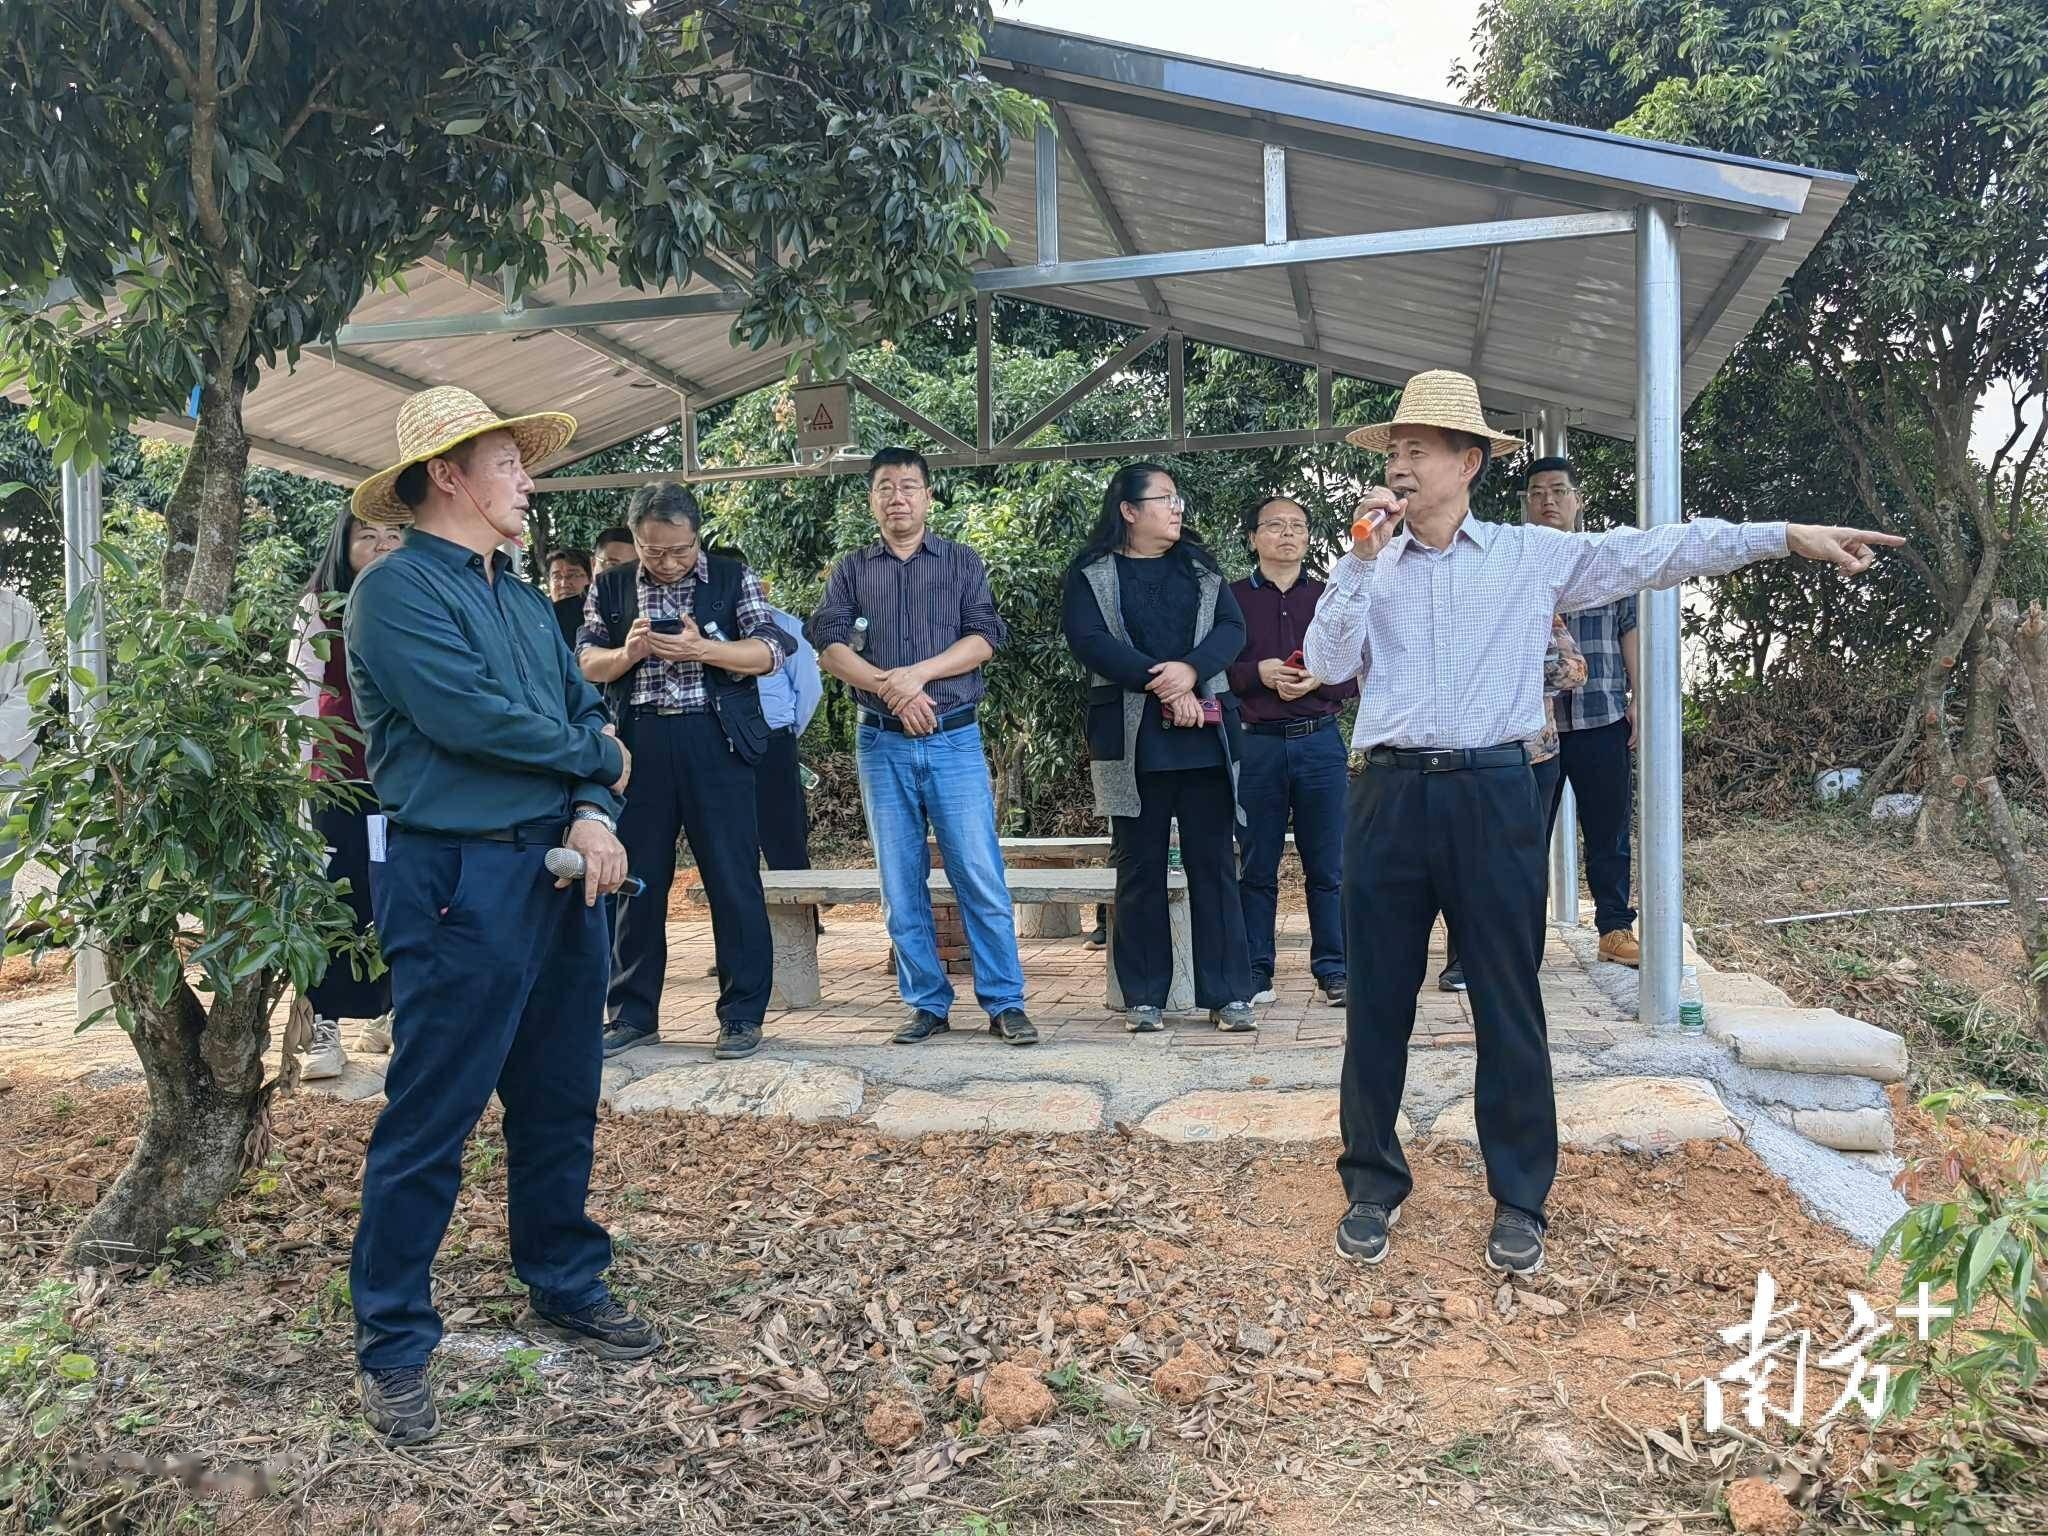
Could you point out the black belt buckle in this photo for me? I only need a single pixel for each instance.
(1300, 728)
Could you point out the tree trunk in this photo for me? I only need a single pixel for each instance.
(206, 510)
(206, 1120)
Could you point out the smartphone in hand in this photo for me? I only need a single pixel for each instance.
(665, 626)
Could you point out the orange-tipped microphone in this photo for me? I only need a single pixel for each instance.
(1366, 525)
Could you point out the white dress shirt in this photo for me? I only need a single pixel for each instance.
(1448, 644)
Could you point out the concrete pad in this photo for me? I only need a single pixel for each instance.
(1739, 989)
(796, 1090)
(1846, 1130)
(1644, 1114)
(1809, 1040)
(984, 1105)
(362, 1078)
(1263, 1114)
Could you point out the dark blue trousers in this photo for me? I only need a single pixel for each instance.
(497, 982)
(1302, 778)
(687, 782)
(1601, 771)
(1469, 844)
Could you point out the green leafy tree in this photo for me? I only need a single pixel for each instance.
(192, 193)
(1928, 295)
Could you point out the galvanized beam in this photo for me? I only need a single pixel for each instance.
(602, 346)
(909, 414)
(1047, 166)
(984, 404)
(1105, 205)
(1489, 289)
(1739, 273)
(1762, 219)
(1176, 386)
(1286, 253)
(548, 317)
(348, 362)
(1276, 194)
(1107, 369)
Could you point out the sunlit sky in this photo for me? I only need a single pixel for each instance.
(1407, 48)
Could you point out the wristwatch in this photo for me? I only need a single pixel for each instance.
(592, 813)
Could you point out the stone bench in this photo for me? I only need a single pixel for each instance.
(1056, 920)
(794, 896)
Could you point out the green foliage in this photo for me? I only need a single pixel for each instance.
(231, 178)
(44, 1382)
(1982, 1249)
(180, 795)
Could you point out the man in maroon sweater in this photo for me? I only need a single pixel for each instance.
(1294, 761)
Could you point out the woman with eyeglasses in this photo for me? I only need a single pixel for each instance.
(1148, 612)
(352, 548)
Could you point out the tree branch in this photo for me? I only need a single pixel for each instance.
(312, 104)
(166, 45)
(248, 54)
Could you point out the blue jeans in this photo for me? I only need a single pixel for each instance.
(497, 981)
(1307, 776)
(907, 783)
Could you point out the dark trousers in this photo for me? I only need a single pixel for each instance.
(1546, 795)
(341, 993)
(497, 981)
(1303, 777)
(779, 809)
(687, 780)
(1143, 952)
(1597, 764)
(1469, 844)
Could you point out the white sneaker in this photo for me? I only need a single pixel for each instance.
(374, 1038)
(324, 1057)
(1265, 995)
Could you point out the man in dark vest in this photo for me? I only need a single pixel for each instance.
(676, 639)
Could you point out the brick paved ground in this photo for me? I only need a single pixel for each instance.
(1065, 996)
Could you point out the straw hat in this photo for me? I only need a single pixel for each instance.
(435, 420)
(1439, 398)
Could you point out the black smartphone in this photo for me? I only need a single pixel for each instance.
(666, 626)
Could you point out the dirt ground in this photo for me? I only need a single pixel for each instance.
(1190, 1355)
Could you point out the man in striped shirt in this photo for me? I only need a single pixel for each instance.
(1444, 620)
(1596, 723)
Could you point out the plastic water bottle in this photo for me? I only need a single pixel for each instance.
(1692, 1008)
(805, 777)
(860, 637)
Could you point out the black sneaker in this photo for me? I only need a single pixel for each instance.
(1234, 1019)
(1516, 1243)
(620, 1038)
(921, 1025)
(1144, 1021)
(1452, 979)
(1362, 1234)
(736, 1040)
(399, 1405)
(1012, 1027)
(606, 1330)
(1333, 992)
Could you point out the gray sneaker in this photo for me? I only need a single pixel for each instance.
(1144, 1021)
(324, 1057)
(374, 1038)
(399, 1405)
(1234, 1019)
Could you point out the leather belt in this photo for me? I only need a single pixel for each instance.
(546, 830)
(1290, 728)
(643, 711)
(1450, 759)
(953, 722)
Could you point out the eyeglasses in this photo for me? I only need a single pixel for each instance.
(1549, 494)
(1174, 502)
(887, 488)
(659, 554)
(1287, 527)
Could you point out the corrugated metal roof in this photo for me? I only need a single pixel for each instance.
(1176, 147)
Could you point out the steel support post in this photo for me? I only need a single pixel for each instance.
(89, 651)
(1659, 782)
(1552, 442)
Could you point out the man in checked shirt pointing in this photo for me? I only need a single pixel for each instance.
(1444, 619)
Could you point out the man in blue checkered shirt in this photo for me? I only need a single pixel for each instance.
(1596, 724)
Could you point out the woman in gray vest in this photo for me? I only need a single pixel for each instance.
(1148, 612)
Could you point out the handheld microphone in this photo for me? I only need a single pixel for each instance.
(567, 864)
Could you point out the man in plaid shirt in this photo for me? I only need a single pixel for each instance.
(1596, 723)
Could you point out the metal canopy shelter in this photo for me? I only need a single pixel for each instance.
(1353, 231)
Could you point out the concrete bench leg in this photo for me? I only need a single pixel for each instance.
(1048, 920)
(793, 931)
(1180, 992)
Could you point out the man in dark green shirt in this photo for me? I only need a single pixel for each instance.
(487, 749)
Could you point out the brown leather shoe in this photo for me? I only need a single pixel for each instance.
(1620, 948)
